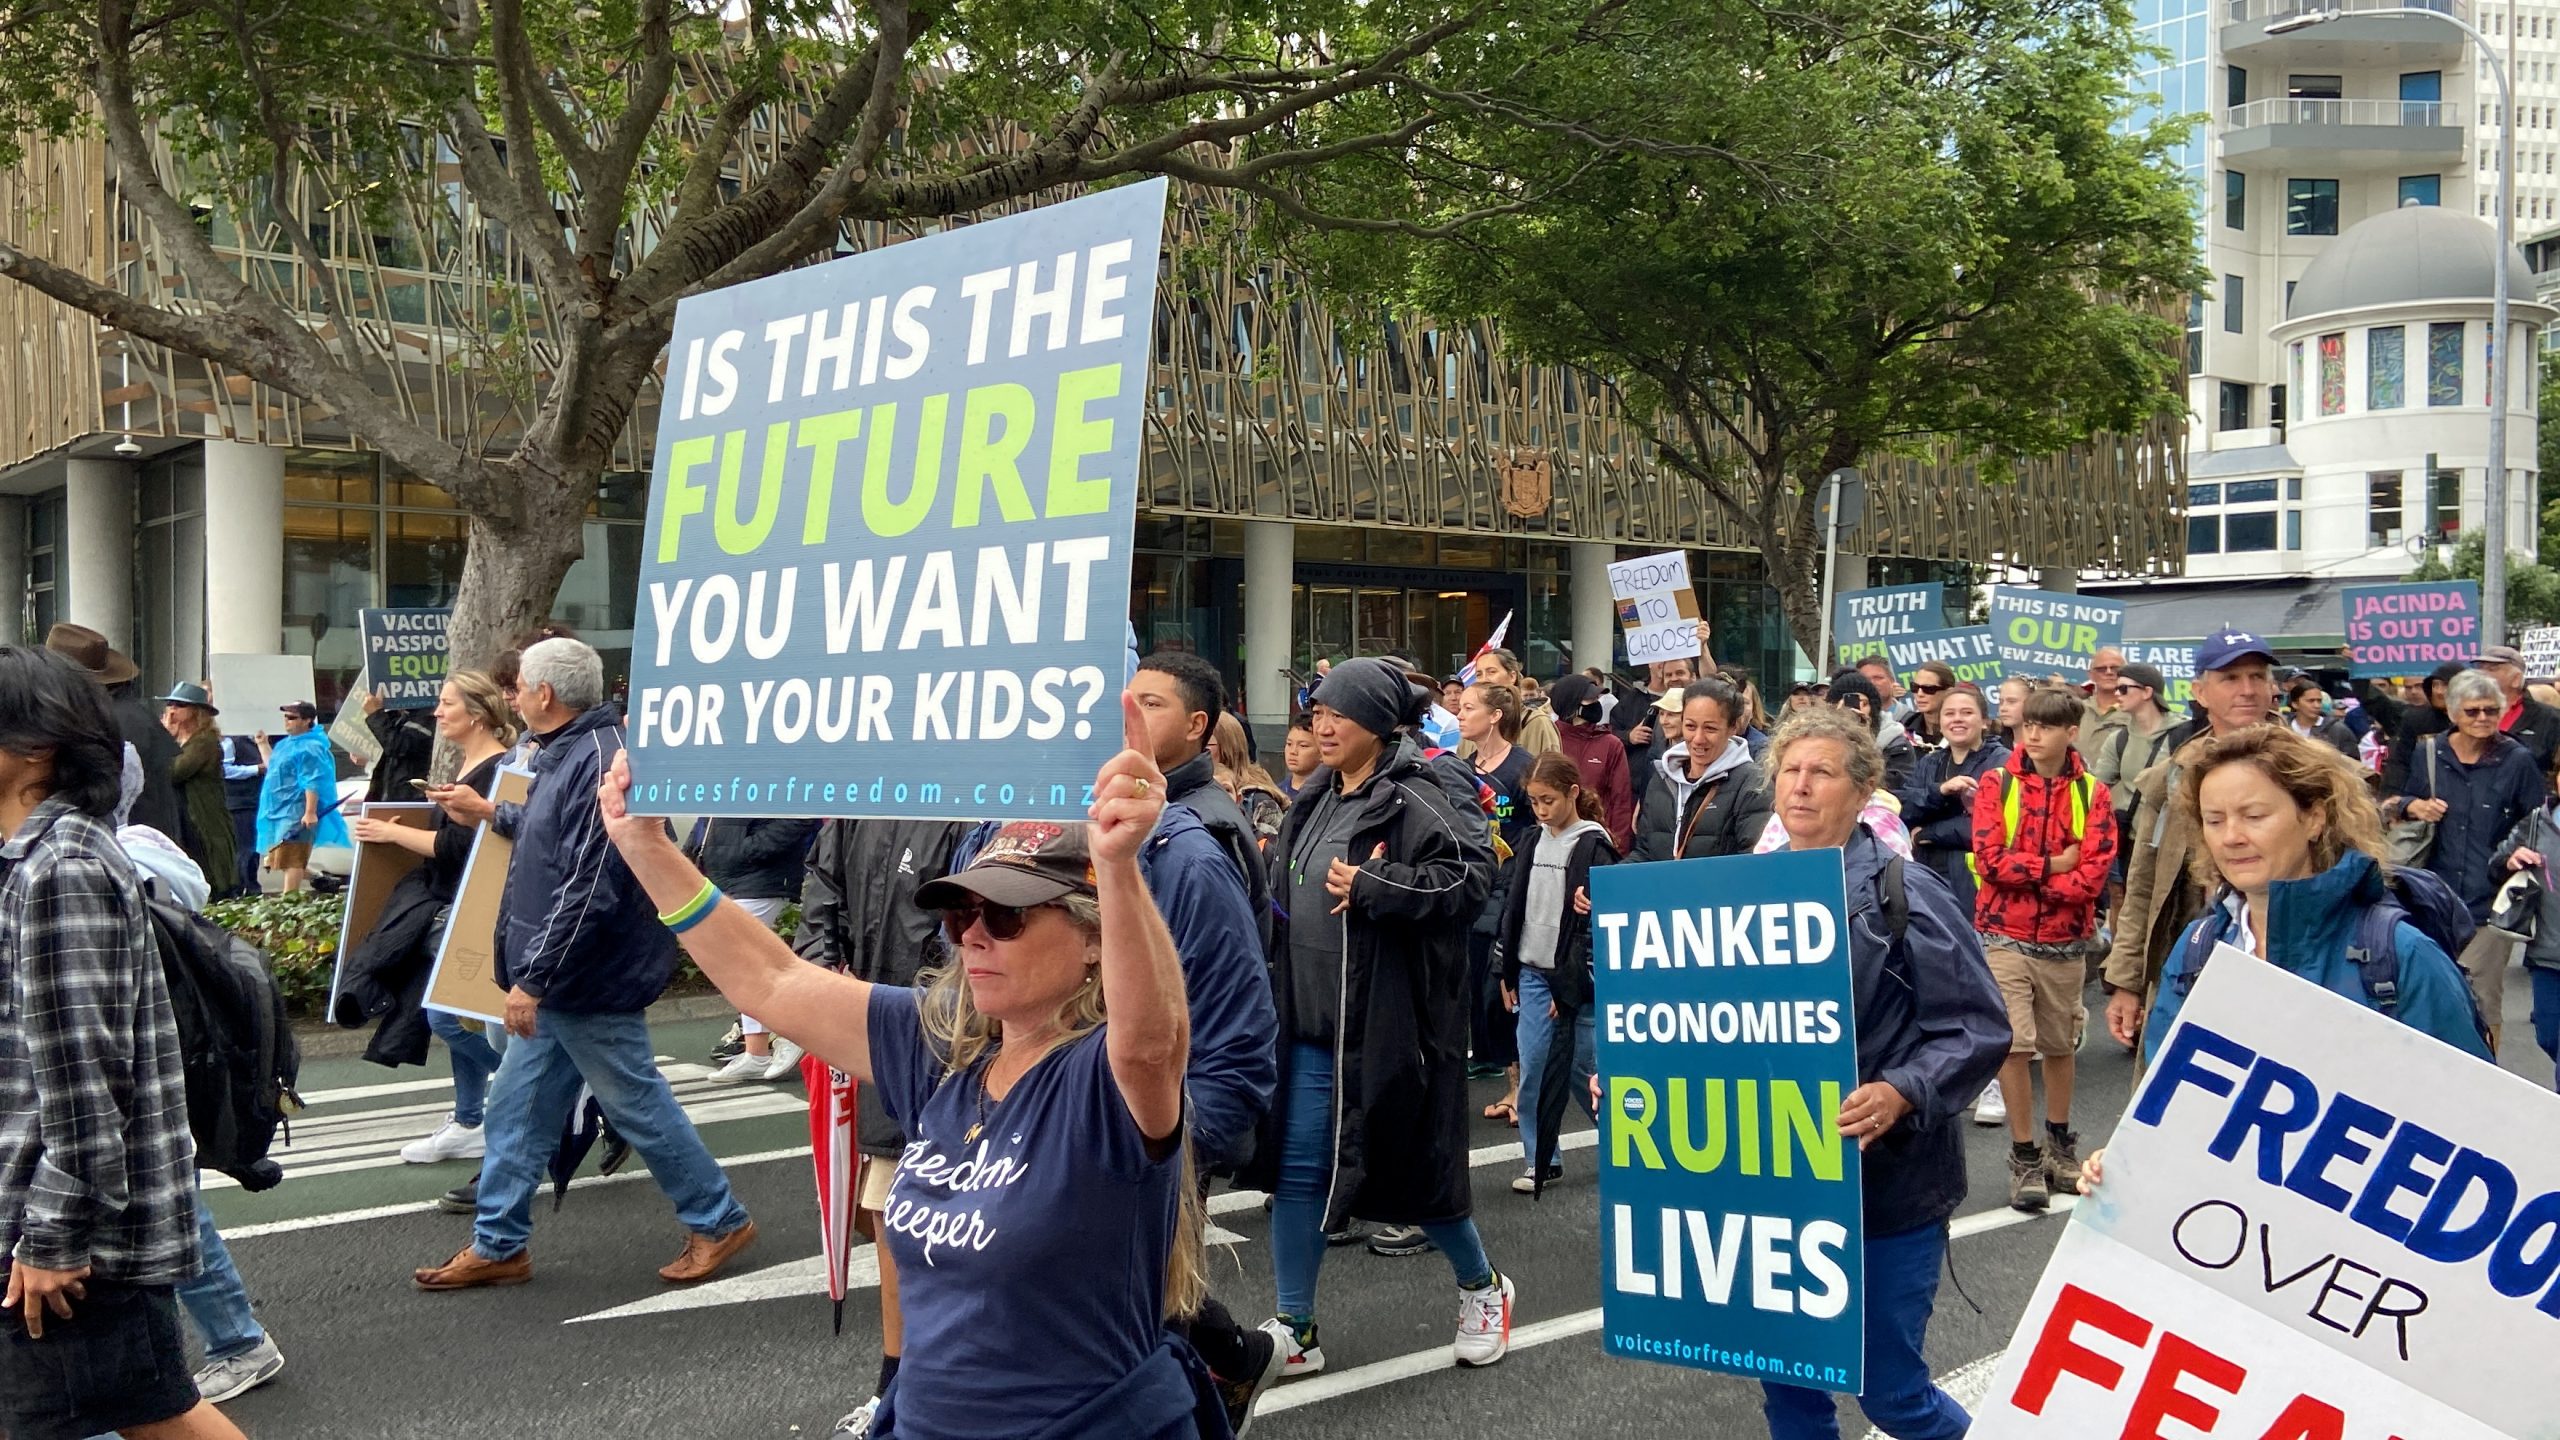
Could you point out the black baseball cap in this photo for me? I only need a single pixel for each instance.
(301, 710)
(1029, 862)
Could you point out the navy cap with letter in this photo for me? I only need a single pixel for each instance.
(2225, 648)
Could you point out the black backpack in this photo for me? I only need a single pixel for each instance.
(2417, 896)
(241, 1057)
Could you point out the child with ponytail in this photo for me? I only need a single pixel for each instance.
(1546, 938)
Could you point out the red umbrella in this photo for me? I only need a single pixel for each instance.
(831, 1150)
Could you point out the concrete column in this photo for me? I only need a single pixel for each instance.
(1270, 561)
(243, 548)
(13, 565)
(98, 527)
(1595, 613)
(2058, 580)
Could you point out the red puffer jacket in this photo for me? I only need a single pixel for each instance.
(2021, 897)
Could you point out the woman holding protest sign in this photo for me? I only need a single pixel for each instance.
(1932, 1032)
(1042, 1219)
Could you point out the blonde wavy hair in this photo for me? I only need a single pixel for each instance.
(486, 702)
(963, 1035)
(2310, 773)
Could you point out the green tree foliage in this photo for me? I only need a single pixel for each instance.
(1850, 229)
(633, 152)
(2533, 590)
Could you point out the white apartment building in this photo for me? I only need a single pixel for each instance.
(2337, 361)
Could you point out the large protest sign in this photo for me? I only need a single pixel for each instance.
(1867, 622)
(465, 978)
(2410, 629)
(886, 570)
(252, 688)
(377, 868)
(2315, 1222)
(2176, 664)
(2042, 633)
(1657, 607)
(1970, 652)
(1731, 1234)
(405, 658)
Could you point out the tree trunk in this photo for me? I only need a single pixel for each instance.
(511, 571)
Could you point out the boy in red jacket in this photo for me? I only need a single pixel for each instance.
(2044, 840)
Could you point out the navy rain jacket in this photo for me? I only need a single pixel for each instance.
(574, 930)
(1234, 1027)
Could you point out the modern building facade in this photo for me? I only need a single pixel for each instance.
(2346, 175)
(1308, 489)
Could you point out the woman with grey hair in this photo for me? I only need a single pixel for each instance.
(1931, 1033)
(2473, 783)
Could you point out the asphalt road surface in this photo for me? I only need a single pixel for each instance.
(597, 1345)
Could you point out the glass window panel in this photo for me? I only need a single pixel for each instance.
(2235, 200)
(328, 477)
(2293, 529)
(2333, 373)
(2204, 494)
(2384, 360)
(328, 577)
(599, 594)
(2234, 306)
(2249, 492)
(2421, 190)
(421, 559)
(2311, 207)
(2444, 363)
(2248, 532)
(2204, 534)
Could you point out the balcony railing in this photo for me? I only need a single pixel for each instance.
(2261, 12)
(2417, 114)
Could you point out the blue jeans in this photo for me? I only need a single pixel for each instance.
(1306, 1178)
(1537, 1030)
(1901, 1399)
(2546, 1010)
(215, 1299)
(475, 1059)
(529, 1102)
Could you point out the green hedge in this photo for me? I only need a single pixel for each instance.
(299, 933)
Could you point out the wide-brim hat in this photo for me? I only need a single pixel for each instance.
(188, 692)
(90, 651)
(1028, 862)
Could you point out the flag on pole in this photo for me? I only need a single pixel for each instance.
(831, 1146)
(1491, 643)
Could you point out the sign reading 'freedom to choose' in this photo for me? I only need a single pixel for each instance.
(1730, 1218)
(887, 561)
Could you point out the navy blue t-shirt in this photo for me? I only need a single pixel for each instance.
(1031, 1260)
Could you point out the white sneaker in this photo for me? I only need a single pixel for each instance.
(1295, 1359)
(856, 1426)
(222, 1380)
(1484, 1322)
(786, 1060)
(743, 1069)
(451, 1141)
(1991, 1109)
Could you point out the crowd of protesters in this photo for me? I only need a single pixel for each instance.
(1286, 978)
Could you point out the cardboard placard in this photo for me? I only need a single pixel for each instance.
(1657, 607)
(886, 568)
(405, 657)
(375, 869)
(2541, 647)
(256, 688)
(2314, 1222)
(1732, 1229)
(1867, 622)
(465, 980)
(2410, 629)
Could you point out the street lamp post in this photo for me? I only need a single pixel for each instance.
(2493, 488)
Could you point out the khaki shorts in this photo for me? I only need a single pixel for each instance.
(290, 855)
(2045, 1013)
(877, 1172)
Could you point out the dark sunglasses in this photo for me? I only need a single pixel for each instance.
(1003, 922)
(1928, 689)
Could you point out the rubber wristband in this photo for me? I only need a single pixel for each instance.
(684, 917)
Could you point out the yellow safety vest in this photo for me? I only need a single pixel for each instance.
(2080, 793)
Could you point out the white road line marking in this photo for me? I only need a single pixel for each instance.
(1334, 1385)
(415, 1207)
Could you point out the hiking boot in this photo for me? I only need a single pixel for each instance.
(705, 1254)
(467, 1271)
(1265, 1359)
(2026, 1178)
(1399, 1240)
(462, 1199)
(239, 1374)
(2062, 1162)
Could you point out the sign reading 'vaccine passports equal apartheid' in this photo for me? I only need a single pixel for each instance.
(1730, 1228)
(886, 571)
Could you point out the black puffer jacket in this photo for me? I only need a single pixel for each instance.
(1400, 1064)
(757, 859)
(858, 914)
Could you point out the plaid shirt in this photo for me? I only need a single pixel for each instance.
(96, 1165)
